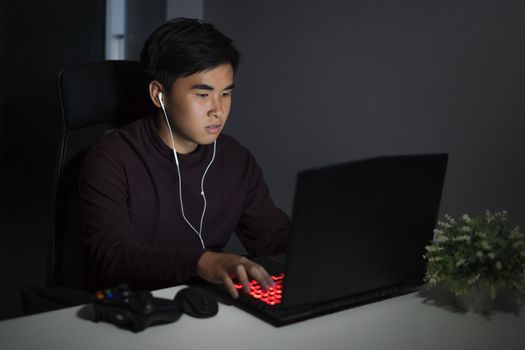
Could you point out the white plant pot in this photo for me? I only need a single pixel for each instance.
(477, 301)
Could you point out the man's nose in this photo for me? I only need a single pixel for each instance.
(217, 108)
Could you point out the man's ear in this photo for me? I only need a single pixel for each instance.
(154, 88)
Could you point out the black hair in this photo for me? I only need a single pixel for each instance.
(185, 46)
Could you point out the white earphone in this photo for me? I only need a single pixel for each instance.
(198, 232)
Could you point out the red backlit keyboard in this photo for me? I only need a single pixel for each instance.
(272, 296)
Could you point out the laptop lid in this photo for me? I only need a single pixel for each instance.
(361, 226)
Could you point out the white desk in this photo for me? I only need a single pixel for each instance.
(401, 323)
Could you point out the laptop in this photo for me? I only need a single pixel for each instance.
(358, 235)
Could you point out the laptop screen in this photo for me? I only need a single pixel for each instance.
(361, 226)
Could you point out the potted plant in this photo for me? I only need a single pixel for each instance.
(475, 258)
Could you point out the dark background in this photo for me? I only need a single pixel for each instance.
(321, 81)
(328, 81)
(39, 38)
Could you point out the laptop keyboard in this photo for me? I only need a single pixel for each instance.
(272, 296)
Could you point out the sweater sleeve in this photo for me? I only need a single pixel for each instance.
(114, 255)
(263, 228)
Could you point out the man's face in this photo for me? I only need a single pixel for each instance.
(198, 106)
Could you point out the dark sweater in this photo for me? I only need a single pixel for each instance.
(131, 216)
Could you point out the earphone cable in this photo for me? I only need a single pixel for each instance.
(199, 232)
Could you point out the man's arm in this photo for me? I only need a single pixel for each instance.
(263, 228)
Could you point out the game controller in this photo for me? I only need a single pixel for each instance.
(133, 310)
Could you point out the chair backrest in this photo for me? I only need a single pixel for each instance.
(95, 98)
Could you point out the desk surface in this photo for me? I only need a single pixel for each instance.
(405, 322)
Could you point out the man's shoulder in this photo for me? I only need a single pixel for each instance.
(117, 141)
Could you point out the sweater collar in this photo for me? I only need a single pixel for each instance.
(200, 154)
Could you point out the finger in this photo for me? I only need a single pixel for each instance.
(230, 287)
(243, 278)
(262, 276)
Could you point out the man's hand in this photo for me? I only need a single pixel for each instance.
(222, 268)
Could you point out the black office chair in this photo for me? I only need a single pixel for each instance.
(95, 99)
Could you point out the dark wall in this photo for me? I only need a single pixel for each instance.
(326, 81)
(142, 18)
(40, 38)
(43, 37)
(3, 57)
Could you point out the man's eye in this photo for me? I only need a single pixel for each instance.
(202, 95)
(226, 93)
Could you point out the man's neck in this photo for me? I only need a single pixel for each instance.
(164, 134)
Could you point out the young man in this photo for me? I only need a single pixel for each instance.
(161, 197)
